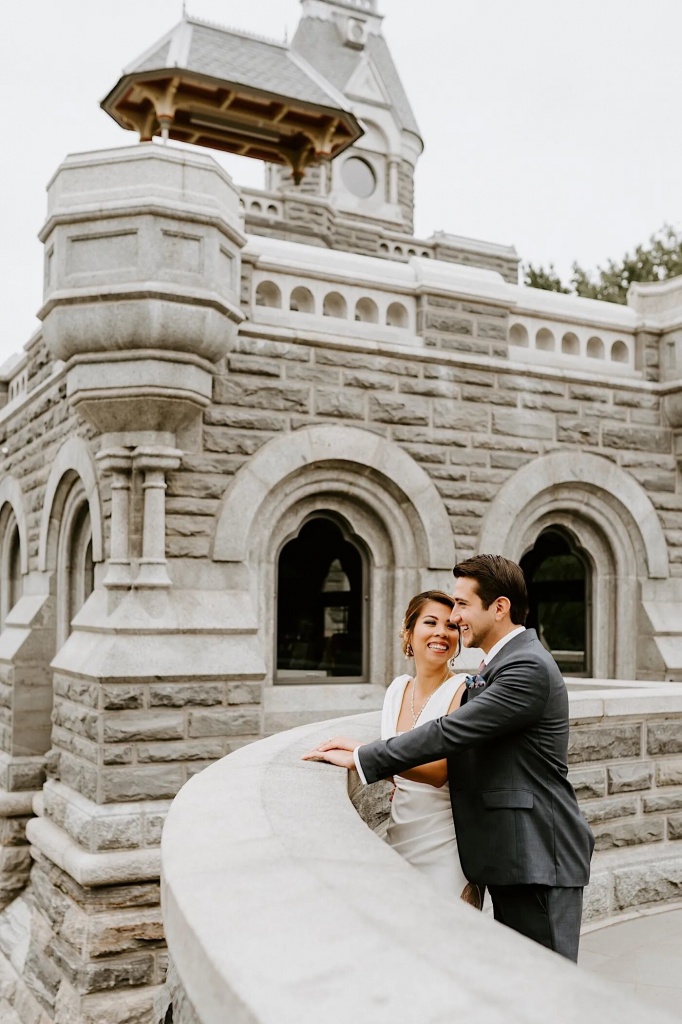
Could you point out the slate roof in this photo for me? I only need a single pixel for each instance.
(238, 57)
(318, 41)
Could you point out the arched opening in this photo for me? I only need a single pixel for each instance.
(620, 352)
(75, 566)
(595, 348)
(558, 576)
(301, 300)
(367, 311)
(11, 581)
(335, 305)
(322, 605)
(544, 340)
(268, 294)
(396, 315)
(518, 335)
(570, 344)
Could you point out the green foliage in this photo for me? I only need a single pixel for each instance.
(658, 260)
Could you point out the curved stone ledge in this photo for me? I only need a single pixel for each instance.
(281, 906)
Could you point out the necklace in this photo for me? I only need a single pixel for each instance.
(415, 717)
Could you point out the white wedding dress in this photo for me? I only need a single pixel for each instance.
(420, 827)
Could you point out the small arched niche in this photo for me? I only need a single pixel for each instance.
(397, 316)
(544, 340)
(11, 579)
(367, 311)
(595, 347)
(518, 335)
(335, 305)
(570, 344)
(268, 294)
(301, 300)
(620, 353)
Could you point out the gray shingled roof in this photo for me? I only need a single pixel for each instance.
(318, 41)
(237, 57)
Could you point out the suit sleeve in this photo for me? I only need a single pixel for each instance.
(515, 700)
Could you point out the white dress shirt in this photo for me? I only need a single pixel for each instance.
(495, 649)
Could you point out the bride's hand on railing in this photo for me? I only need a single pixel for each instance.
(338, 751)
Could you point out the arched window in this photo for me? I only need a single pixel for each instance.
(558, 577)
(75, 567)
(322, 605)
(268, 294)
(11, 581)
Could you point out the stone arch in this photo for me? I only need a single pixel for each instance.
(383, 497)
(12, 494)
(611, 517)
(73, 461)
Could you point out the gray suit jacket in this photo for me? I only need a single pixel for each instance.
(516, 814)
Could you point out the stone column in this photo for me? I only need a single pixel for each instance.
(119, 463)
(154, 462)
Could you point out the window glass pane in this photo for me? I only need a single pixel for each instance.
(557, 578)
(358, 177)
(320, 605)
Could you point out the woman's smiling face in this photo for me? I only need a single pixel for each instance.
(435, 638)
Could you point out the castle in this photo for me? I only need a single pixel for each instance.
(253, 424)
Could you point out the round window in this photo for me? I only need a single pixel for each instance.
(359, 177)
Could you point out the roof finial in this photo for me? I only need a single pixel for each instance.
(184, 8)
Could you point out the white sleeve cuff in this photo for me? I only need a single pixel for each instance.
(363, 780)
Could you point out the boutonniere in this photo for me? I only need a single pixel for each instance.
(474, 682)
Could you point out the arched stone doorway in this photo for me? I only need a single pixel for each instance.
(558, 574)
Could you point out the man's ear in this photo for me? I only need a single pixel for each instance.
(502, 607)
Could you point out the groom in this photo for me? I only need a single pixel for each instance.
(519, 829)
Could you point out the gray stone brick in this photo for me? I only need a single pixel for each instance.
(637, 399)
(661, 804)
(76, 690)
(370, 381)
(197, 485)
(473, 393)
(259, 367)
(178, 695)
(130, 727)
(444, 323)
(341, 403)
(603, 742)
(648, 883)
(314, 374)
(228, 441)
(669, 773)
(141, 782)
(274, 349)
(121, 697)
(588, 782)
(664, 737)
(431, 388)
(588, 393)
(629, 833)
(507, 460)
(220, 416)
(627, 778)
(605, 810)
(675, 826)
(638, 438)
(262, 395)
(453, 415)
(485, 329)
(117, 753)
(519, 423)
(427, 453)
(578, 431)
(223, 722)
(185, 750)
(76, 718)
(396, 410)
(244, 693)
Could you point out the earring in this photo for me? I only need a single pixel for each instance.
(451, 663)
(409, 653)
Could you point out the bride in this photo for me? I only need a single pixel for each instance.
(420, 827)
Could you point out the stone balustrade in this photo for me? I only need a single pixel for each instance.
(285, 907)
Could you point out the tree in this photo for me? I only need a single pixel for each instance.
(658, 260)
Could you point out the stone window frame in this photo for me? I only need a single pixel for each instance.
(13, 527)
(610, 516)
(386, 498)
(73, 541)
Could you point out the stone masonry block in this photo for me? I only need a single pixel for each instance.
(120, 697)
(521, 423)
(369, 380)
(445, 323)
(117, 753)
(588, 783)
(600, 743)
(257, 367)
(605, 810)
(662, 804)
(230, 442)
(664, 738)
(340, 403)
(625, 778)
(675, 826)
(76, 690)
(457, 416)
(648, 883)
(638, 439)
(129, 727)
(261, 395)
(187, 750)
(395, 410)
(76, 718)
(178, 695)
(578, 431)
(219, 416)
(141, 782)
(244, 693)
(223, 722)
(629, 833)
(669, 773)
(80, 776)
(272, 349)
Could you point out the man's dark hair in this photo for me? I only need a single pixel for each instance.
(495, 577)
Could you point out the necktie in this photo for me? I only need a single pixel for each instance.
(481, 667)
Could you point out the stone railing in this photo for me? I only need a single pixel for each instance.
(280, 905)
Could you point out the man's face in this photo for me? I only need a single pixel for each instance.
(475, 621)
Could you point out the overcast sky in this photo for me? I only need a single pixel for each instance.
(550, 125)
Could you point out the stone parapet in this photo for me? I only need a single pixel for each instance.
(315, 862)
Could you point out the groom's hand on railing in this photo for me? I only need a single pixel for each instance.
(338, 751)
